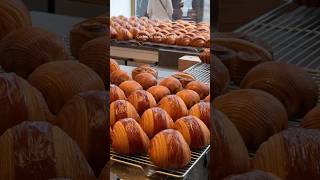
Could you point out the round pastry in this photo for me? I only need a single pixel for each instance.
(201, 111)
(184, 78)
(207, 99)
(164, 147)
(134, 31)
(23, 50)
(292, 154)
(119, 76)
(19, 102)
(299, 94)
(116, 93)
(143, 36)
(201, 88)
(170, 39)
(194, 131)
(129, 138)
(172, 84)
(198, 41)
(157, 37)
(88, 127)
(229, 155)
(253, 175)
(121, 109)
(60, 80)
(312, 119)
(85, 31)
(155, 120)
(13, 15)
(147, 80)
(38, 150)
(205, 56)
(129, 87)
(222, 77)
(123, 34)
(247, 109)
(95, 55)
(183, 40)
(144, 69)
(114, 66)
(158, 92)
(142, 100)
(189, 97)
(174, 106)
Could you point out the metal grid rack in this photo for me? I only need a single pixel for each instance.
(293, 31)
(200, 71)
(145, 165)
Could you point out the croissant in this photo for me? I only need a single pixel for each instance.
(95, 55)
(85, 31)
(194, 131)
(174, 106)
(60, 80)
(171, 142)
(116, 93)
(143, 36)
(19, 102)
(172, 84)
(247, 109)
(198, 41)
(129, 138)
(292, 154)
(124, 34)
(229, 155)
(184, 78)
(13, 15)
(311, 119)
(254, 174)
(158, 92)
(88, 126)
(155, 120)
(201, 88)
(39, 150)
(121, 109)
(25, 49)
(201, 110)
(189, 97)
(183, 40)
(170, 39)
(157, 37)
(142, 100)
(129, 87)
(299, 94)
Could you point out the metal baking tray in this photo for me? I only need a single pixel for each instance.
(143, 163)
(293, 32)
(201, 71)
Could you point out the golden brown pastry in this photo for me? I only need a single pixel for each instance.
(171, 142)
(222, 77)
(121, 109)
(114, 66)
(85, 31)
(88, 127)
(142, 100)
(205, 56)
(253, 175)
(143, 36)
(174, 106)
(201, 110)
(13, 15)
(184, 78)
(119, 76)
(247, 109)
(288, 83)
(194, 131)
(129, 138)
(207, 99)
(113, 33)
(60, 80)
(143, 69)
(312, 119)
(201, 88)
(157, 37)
(172, 84)
(198, 41)
(19, 102)
(116, 93)
(147, 80)
(155, 120)
(229, 155)
(123, 34)
(129, 87)
(189, 97)
(158, 92)
(25, 49)
(170, 39)
(95, 55)
(39, 150)
(183, 40)
(292, 154)
(134, 31)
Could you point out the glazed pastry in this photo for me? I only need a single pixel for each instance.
(198, 41)
(183, 40)
(121, 109)
(174, 106)
(171, 142)
(157, 37)
(59, 81)
(119, 76)
(201, 88)
(189, 97)
(147, 80)
(158, 92)
(201, 110)
(129, 138)
(26, 49)
(143, 36)
(129, 87)
(172, 84)
(142, 100)
(170, 39)
(184, 78)
(155, 120)
(143, 69)
(114, 66)
(116, 93)
(123, 34)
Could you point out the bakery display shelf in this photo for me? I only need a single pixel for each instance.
(200, 71)
(149, 169)
(292, 31)
(155, 46)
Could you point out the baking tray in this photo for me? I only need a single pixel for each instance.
(201, 71)
(143, 163)
(293, 32)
